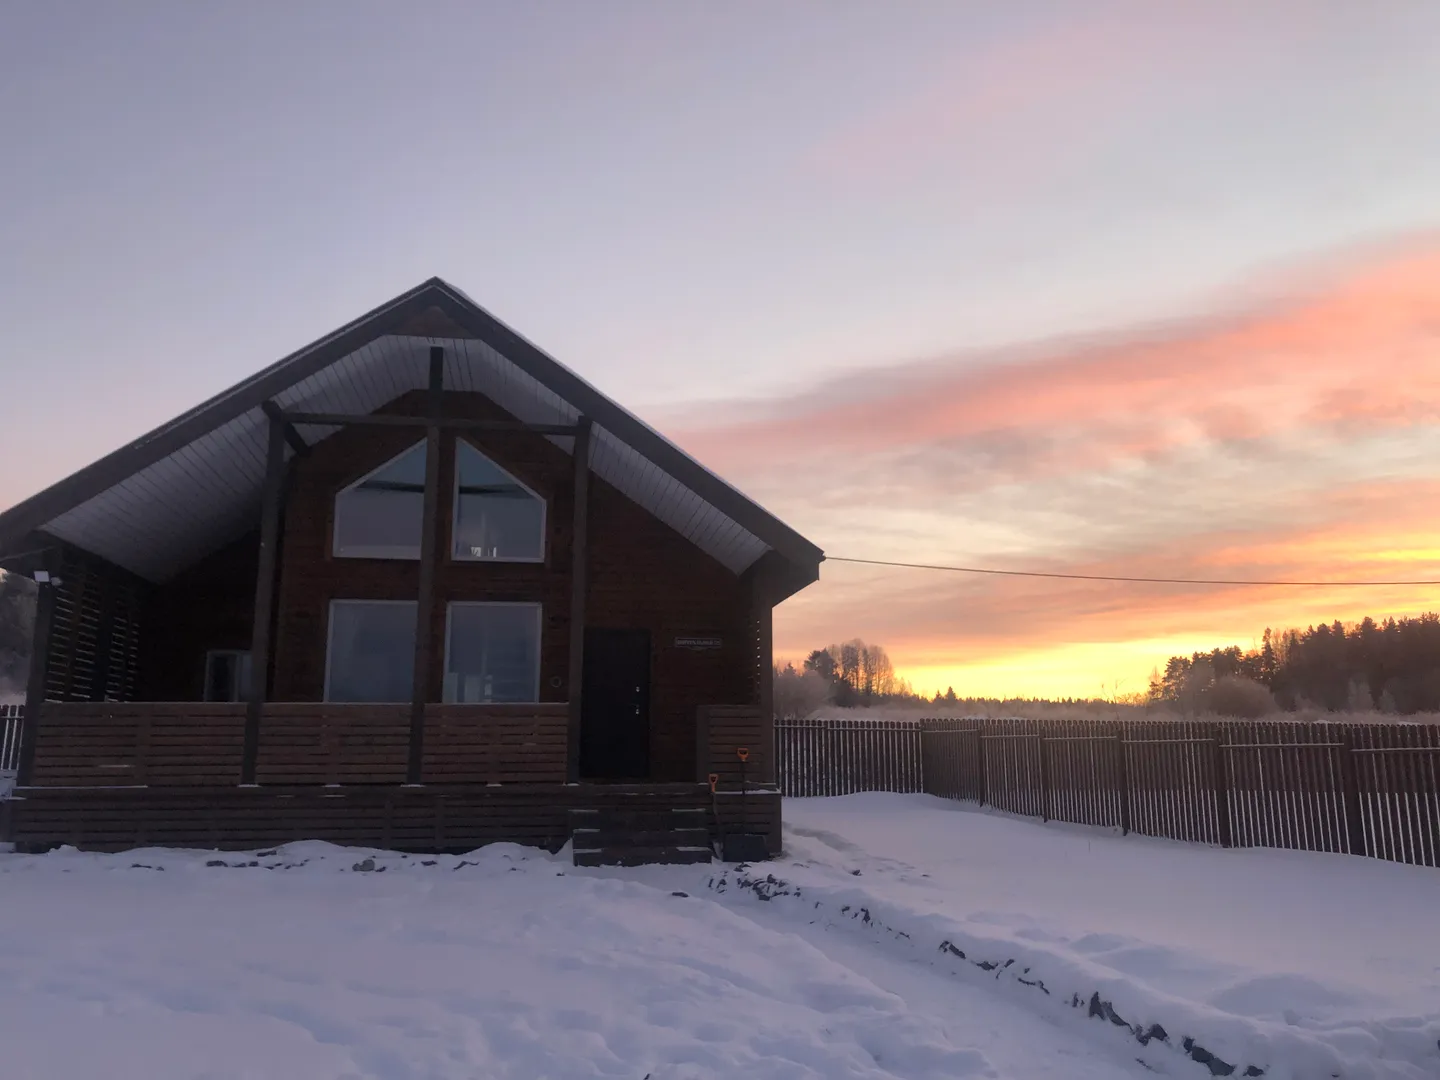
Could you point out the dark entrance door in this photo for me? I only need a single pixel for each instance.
(615, 705)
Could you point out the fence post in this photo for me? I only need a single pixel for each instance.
(1044, 778)
(1350, 783)
(980, 761)
(1124, 786)
(1222, 793)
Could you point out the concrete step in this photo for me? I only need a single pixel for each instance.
(641, 856)
(617, 838)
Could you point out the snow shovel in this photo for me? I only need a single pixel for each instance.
(715, 809)
(743, 846)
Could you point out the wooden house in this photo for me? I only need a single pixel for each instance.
(416, 585)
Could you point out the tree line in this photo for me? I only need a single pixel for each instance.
(1391, 666)
(849, 674)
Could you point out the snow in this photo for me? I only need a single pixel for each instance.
(320, 962)
(1298, 963)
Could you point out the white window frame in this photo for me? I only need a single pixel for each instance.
(539, 610)
(242, 673)
(455, 511)
(392, 553)
(330, 639)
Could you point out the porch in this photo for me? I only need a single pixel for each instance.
(120, 775)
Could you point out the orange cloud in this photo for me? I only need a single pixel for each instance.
(1379, 531)
(1297, 438)
(1359, 353)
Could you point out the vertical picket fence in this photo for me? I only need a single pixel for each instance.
(841, 757)
(1363, 789)
(10, 717)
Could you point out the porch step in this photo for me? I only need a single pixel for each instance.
(639, 819)
(639, 834)
(642, 855)
(612, 837)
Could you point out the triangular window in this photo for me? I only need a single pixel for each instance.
(380, 515)
(497, 518)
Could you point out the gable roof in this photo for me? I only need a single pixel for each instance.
(185, 489)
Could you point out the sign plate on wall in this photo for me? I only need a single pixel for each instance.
(698, 642)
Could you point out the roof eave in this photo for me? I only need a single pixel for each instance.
(35, 512)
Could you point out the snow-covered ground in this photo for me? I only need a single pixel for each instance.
(1296, 963)
(840, 960)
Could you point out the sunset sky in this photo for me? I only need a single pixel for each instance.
(1106, 288)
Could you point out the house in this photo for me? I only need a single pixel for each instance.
(416, 585)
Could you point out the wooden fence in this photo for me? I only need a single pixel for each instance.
(1365, 789)
(198, 744)
(840, 757)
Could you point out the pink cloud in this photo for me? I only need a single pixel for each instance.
(1358, 354)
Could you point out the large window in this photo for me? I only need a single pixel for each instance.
(380, 516)
(492, 652)
(496, 517)
(371, 653)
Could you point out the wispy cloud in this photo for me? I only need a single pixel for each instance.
(1005, 105)
(1296, 437)
(1353, 356)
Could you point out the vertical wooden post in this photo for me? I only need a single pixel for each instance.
(579, 586)
(1350, 784)
(980, 761)
(1222, 793)
(1124, 778)
(764, 615)
(703, 764)
(265, 574)
(104, 640)
(35, 685)
(429, 542)
(1044, 778)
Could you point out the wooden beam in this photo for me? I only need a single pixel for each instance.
(429, 542)
(265, 574)
(104, 640)
(449, 423)
(764, 614)
(39, 670)
(298, 444)
(584, 398)
(579, 584)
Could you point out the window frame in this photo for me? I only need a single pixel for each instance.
(539, 610)
(455, 512)
(330, 645)
(242, 676)
(386, 554)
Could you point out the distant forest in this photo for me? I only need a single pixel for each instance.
(1391, 666)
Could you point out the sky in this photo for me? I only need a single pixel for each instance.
(1104, 287)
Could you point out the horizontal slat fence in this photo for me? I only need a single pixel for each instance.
(188, 744)
(1366, 789)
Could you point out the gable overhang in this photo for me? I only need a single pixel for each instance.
(186, 489)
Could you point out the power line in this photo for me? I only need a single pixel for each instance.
(1118, 577)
